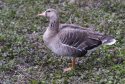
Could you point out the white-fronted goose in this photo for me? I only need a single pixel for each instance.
(71, 40)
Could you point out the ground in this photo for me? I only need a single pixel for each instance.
(24, 59)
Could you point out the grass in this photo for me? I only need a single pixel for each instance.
(25, 59)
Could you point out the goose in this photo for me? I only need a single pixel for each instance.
(70, 39)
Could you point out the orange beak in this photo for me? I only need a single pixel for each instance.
(42, 14)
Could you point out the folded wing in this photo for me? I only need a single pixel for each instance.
(77, 42)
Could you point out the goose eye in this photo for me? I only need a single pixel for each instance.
(48, 11)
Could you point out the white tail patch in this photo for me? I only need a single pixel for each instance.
(109, 42)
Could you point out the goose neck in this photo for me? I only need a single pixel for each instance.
(54, 24)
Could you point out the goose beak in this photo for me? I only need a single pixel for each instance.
(42, 14)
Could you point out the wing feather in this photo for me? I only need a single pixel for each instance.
(78, 41)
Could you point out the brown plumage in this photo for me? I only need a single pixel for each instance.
(69, 39)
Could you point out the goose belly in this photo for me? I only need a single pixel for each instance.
(46, 37)
(52, 44)
(55, 47)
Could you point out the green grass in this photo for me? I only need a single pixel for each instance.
(25, 59)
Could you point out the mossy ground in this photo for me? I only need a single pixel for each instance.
(24, 59)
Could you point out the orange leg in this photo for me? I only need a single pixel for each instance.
(72, 65)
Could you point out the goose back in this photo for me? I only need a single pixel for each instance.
(81, 40)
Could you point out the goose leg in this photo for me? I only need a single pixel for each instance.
(72, 65)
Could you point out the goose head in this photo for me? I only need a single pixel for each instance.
(49, 13)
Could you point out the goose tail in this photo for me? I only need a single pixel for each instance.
(108, 40)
